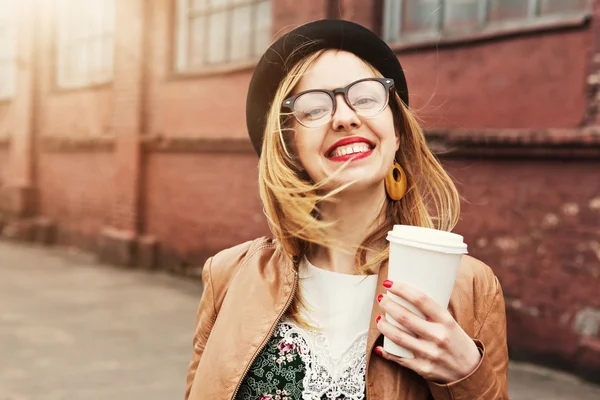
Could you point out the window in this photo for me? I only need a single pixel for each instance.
(219, 32)
(8, 48)
(413, 20)
(85, 41)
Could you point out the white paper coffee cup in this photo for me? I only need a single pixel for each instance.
(427, 259)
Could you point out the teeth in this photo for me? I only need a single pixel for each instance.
(350, 149)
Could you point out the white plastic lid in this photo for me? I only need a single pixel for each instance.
(427, 238)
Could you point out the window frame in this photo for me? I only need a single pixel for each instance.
(10, 62)
(392, 24)
(181, 37)
(61, 52)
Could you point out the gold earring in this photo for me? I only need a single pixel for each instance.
(396, 182)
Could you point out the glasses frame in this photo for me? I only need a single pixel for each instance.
(387, 83)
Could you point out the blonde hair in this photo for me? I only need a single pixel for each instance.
(291, 200)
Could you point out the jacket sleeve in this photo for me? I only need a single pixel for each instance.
(205, 319)
(489, 380)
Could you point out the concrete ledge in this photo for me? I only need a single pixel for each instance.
(516, 143)
(35, 230)
(20, 230)
(147, 252)
(196, 145)
(45, 231)
(588, 359)
(60, 144)
(117, 247)
(18, 201)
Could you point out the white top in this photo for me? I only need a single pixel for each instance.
(339, 306)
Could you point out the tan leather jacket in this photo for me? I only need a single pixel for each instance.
(248, 288)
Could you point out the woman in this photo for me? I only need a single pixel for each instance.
(342, 159)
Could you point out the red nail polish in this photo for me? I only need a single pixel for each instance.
(377, 319)
(378, 351)
(379, 298)
(387, 284)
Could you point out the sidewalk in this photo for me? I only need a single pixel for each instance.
(71, 329)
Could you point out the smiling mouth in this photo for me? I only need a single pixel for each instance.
(350, 149)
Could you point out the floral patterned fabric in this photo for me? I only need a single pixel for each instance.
(295, 364)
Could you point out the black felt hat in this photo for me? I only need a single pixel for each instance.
(306, 39)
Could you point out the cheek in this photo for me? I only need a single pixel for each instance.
(308, 143)
(385, 131)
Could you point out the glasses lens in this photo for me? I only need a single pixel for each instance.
(368, 98)
(313, 109)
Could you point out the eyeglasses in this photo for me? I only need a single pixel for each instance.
(367, 97)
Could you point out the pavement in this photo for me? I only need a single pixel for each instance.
(74, 329)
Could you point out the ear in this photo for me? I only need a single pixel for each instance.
(397, 141)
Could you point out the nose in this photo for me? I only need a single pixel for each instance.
(344, 117)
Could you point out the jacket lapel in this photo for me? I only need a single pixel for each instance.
(249, 313)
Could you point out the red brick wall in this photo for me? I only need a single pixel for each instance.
(74, 113)
(5, 115)
(198, 204)
(4, 154)
(529, 81)
(536, 224)
(534, 81)
(76, 191)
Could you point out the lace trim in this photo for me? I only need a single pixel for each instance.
(326, 376)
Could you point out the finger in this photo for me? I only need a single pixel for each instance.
(419, 299)
(400, 337)
(407, 362)
(407, 318)
(420, 366)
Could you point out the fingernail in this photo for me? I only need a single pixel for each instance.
(379, 298)
(378, 351)
(377, 319)
(387, 284)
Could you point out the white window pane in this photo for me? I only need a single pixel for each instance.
(196, 5)
(78, 64)
(4, 82)
(217, 37)
(8, 13)
(223, 31)
(262, 30)
(420, 16)
(563, 6)
(461, 14)
(507, 10)
(241, 34)
(107, 49)
(85, 34)
(197, 43)
(5, 44)
(7, 80)
(96, 66)
(92, 59)
(218, 4)
(91, 19)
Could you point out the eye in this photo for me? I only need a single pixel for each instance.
(364, 101)
(314, 113)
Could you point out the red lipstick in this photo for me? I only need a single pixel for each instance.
(347, 141)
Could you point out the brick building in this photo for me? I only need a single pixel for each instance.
(122, 131)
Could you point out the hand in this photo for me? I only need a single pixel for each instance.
(443, 351)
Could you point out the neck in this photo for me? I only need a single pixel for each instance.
(356, 215)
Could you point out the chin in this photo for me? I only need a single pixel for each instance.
(360, 182)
